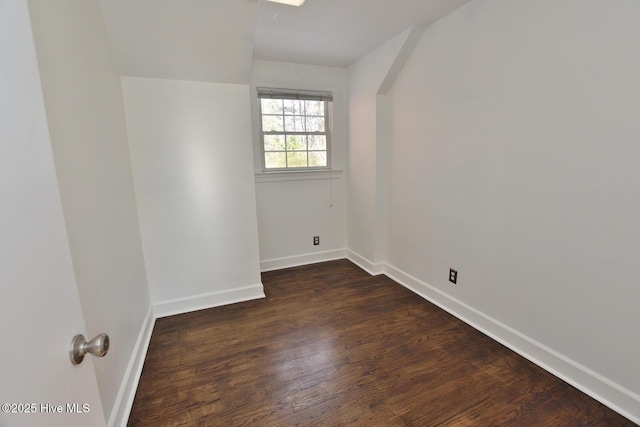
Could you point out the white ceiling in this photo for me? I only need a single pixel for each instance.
(338, 32)
(216, 40)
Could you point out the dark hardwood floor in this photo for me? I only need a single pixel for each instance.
(331, 346)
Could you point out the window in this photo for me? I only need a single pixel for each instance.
(295, 129)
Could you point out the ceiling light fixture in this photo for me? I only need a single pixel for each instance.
(289, 2)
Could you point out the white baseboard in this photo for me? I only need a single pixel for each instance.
(126, 394)
(208, 300)
(297, 260)
(370, 267)
(616, 397)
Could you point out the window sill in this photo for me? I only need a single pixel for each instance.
(280, 176)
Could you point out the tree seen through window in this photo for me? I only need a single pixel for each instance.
(294, 133)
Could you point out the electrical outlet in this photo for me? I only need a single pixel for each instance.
(316, 240)
(453, 276)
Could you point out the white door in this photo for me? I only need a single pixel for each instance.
(39, 303)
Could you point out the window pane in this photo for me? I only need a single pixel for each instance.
(317, 158)
(274, 142)
(275, 160)
(294, 107)
(297, 159)
(271, 106)
(317, 142)
(296, 142)
(294, 124)
(272, 124)
(315, 124)
(314, 108)
(295, 133)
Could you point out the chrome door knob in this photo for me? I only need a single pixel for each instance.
(99, 346)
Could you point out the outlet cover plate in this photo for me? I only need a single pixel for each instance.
(453, 276)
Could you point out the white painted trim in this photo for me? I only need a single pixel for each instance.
(616, 397)
(362, 262)
(297, 260)
(297, 175)
(208, 300)
(126, 394)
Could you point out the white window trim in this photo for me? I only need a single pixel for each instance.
(327, 97)
(297, 175)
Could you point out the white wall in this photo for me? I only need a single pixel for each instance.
(515, 161)
(83, 100)
(192, 161)
(367, 151)
(291, 212)
(40, 307)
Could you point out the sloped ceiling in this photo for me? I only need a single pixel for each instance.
(216, 40)
(204, 40)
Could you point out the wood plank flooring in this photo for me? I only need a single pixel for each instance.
(332, 346)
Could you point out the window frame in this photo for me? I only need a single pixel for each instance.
(282, 94)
